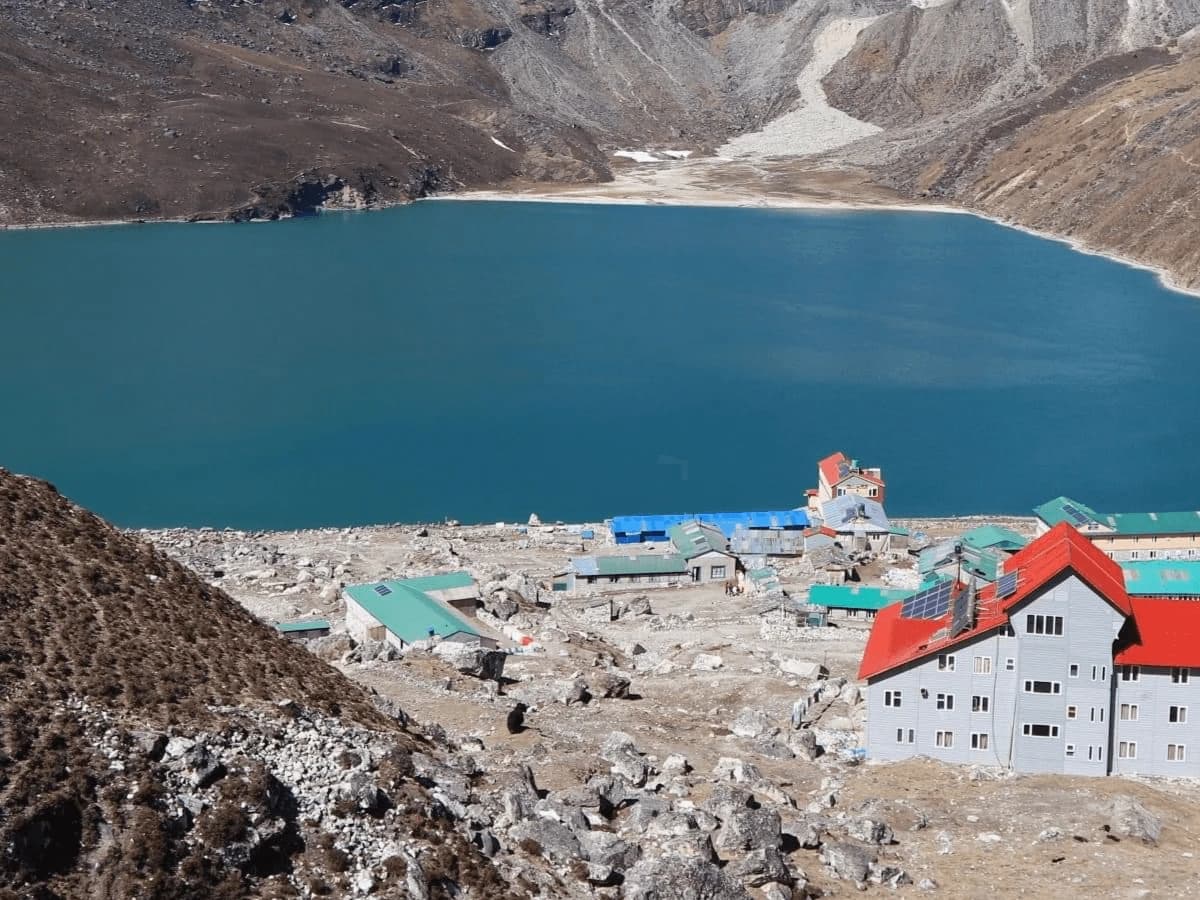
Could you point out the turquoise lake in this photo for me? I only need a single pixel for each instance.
(483, 361)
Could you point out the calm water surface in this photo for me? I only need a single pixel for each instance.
(487, 360)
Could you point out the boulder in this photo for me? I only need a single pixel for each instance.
(609, 685)
(1132, 820)
(556, 841)
(751, 723)
(707, 662)
(624, 607)
(776, 891)
(870, 831)
(851, 695)
(471, 659)
(801, 668)
(607, 849)
(502, 606)
(573, 691)
(676, 764)
(736, 769)
(680, 878)
(807, 833)
(750, 829)
(619, 751)
(850, 862)
(760, 867)
(725, 800)
(804, 744)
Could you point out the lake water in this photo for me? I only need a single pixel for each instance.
(483, 361)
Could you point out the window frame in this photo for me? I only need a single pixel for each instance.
(982, 665)
(980, 740)
(943, 740)
(1128, 712)
(1176, 752)
(945, 702)
(1179, 714)
(893, 699)
(981, 704)
(945, 662)
(1127, 749)
(1052, 731)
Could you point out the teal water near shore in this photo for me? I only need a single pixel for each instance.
(483, 361)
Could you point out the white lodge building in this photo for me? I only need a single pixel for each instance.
(1054, 668)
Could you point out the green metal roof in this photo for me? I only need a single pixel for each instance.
(407, 612)
(441, 582)
(900, 530)
(845, 596)
(302, 625)
(693, 538)
(993, 537)
(1187, 522)
(1162, 578)
(643, 564)
(1052, 512)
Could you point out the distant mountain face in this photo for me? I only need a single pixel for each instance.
(148, 108)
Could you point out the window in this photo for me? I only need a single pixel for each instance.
(1175, 752)
(1009, 664)
(1104, 673)
(1099, 753)
(943, 739)
(1129, 712)
(1043, 687)
(945, 701)
(1072, 712)
(891, 698)
(945, 662)
(1093, 673)
(1031, 730)
(1179, 676)
(718, 571)
(900, 736)
(983, 665)
(979, 741)
(980, 704)
(1043, 624)
(1070, 749)
(1131, 673)
(1127, 750)
(1177, 715)
(1074, 670)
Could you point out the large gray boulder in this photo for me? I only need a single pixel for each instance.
(677, 878)
(1132, 820)
(871, 831)
(471, 659)
(751, 723)
(621, 753)
(750, 829)
(554, 840)
(607, 849)
(850, 862)
(609, 685)
(761, 867)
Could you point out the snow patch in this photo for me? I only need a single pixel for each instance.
(501, 144)
(638, 156)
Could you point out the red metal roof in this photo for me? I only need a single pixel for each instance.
(829, 470)
(896, 641)
(1168, 633)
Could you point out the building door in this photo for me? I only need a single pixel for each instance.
(695, 573)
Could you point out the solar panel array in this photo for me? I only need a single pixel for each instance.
(964, 611)
(931, 603)
(1076, 515)
(382, 590)
(1006, 585)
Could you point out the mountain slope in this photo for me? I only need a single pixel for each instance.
(157, 741)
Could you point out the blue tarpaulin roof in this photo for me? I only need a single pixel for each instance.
(727, 522)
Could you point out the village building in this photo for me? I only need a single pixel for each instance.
(646, 570)
(979, 553)
(457, 589)
(655, 529)
(1127, 536)
(1053, 668)
(1162, 578)
(838, 475)
(402, 612)
(853, 601)
(859, 524)
(304, 629)
(705, 550)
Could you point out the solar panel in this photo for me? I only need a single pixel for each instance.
(1076, 515)
(964, 611)
(382, 590)
(1006, 586)
(931, 603)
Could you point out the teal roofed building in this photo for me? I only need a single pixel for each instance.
(404, 611)
(621, 572)
(979, 554)
(706, 550)
(1132, 536)
(1162, 578)
(303, 629)
(855, 600)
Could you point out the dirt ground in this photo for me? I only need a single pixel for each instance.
(971, 831)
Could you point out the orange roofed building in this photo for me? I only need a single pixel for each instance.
(1052, 668)
(838, 475)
